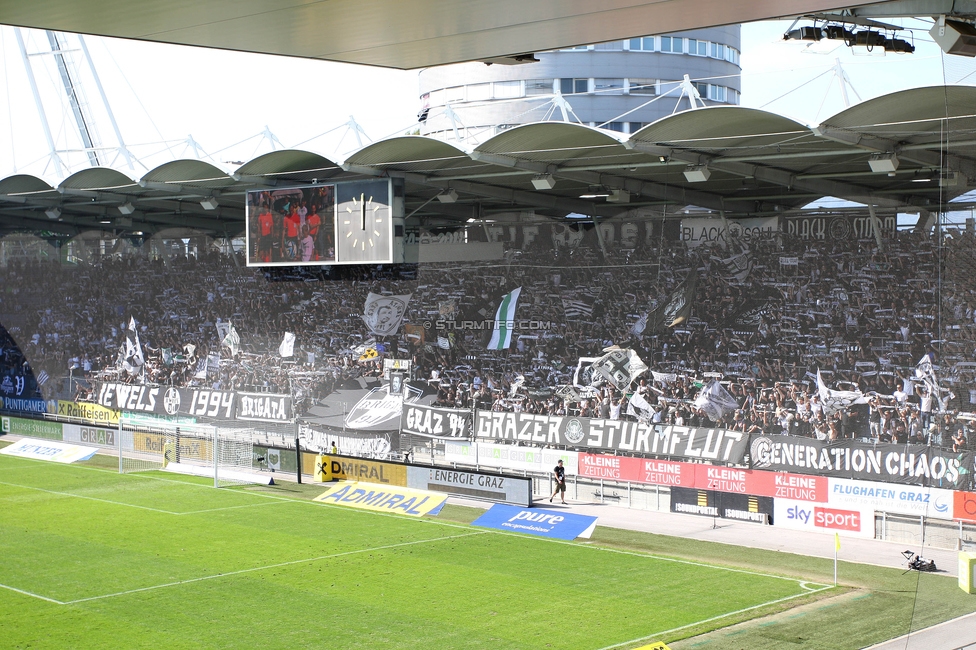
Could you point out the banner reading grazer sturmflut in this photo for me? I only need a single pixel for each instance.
(435, 422)
(891, 463)
(201, 402)
(717, 445)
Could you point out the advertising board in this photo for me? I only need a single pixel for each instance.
(99, 436)
(709, 503)
(558, 524)
(33, 428)
(94, 413)
(385, 498)
(855, 521)
(508, 489)
(57, 452)
(514, 457)
(369, 471)
(889, 497)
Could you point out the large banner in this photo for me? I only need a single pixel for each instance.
(909, 464)
(200, 402)
(433, 422)
(709, 230)
(717, 445)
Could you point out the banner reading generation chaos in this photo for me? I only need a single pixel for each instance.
(716, 445)
(200, 402)
(891, 463)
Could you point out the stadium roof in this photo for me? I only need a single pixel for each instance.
(404, 34)
(749, 162)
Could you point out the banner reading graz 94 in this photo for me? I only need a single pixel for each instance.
(718, 445)
(435, 422)
(202, 402)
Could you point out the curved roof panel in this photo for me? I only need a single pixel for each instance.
(413, 153)
(99, 178)
(552, 141)
(911, 114)
(23, 184)
(726, 129)
(287, 163)
(194, 173)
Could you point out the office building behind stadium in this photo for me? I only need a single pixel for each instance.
(620, 85)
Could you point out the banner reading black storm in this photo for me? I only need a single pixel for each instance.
(716, 445)
(200, 402)
(891, 463)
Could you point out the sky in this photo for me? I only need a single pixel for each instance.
(162, 95)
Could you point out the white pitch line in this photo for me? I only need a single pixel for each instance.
(32, 595)
(80, 496)
(270, 566)
(709, 620)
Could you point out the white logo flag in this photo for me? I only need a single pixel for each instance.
(715, 401)
(287, 347)
(501, 336)
(640, 325)
(443, 342)
(383, 314)
(132, 360)
(925, 370)
(837, 400)
(637, 401)
(619, 367)
(229, 338)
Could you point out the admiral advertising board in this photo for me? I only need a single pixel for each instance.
(508, 489)
(433, 422)
(854, 521)
(514, 457)
(369, 496)
(709, 503)
(911, 464)
(716, 445)
(199, 402)
(369, 471)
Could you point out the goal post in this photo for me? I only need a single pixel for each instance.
(224, 454)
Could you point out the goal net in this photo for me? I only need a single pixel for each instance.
(224, 454)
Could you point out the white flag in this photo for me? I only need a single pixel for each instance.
(837, 400)
(383, 314)
(287, 347)
(637, 401)
(132, 360)
(715, 401)
(619, 367)
(501, 336)
(229, 338)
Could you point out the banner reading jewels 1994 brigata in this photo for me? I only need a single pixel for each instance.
(201, 402)
(716, 445)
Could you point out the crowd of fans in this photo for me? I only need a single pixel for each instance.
(860, 313)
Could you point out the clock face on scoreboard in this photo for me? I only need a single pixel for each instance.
(363, 222)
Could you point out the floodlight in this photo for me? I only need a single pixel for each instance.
(697, 173)
(53, 213)
(883, 163)
(127, 208)
(544, 182)
(619, 196)
(450, 196)
(209, 203)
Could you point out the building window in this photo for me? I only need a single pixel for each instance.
(716, 51)
(612, 46)
(574, 86)
(609, 86)
(636, 126)
(538, 87)
(698, 48)
(614, 126)
(672, 44)
(507, 89)
(578, 48)
(642, 86)
(479, 92)
(645, 44)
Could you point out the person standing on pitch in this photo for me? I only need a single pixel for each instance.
(560, 473)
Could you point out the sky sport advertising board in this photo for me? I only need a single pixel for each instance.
(322, 224)
(853, 521)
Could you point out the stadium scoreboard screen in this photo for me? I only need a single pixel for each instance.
(355, 222)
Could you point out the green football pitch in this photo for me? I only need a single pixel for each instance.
(93, 559)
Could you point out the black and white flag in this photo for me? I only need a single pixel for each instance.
(578, 306)
(130, 355)
(837, 400)
(715, 401)
(619, 367)
(383, 314)
(229, 338)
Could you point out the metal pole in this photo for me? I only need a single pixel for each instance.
(39, 105)
(119, 441)
(298, 456)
